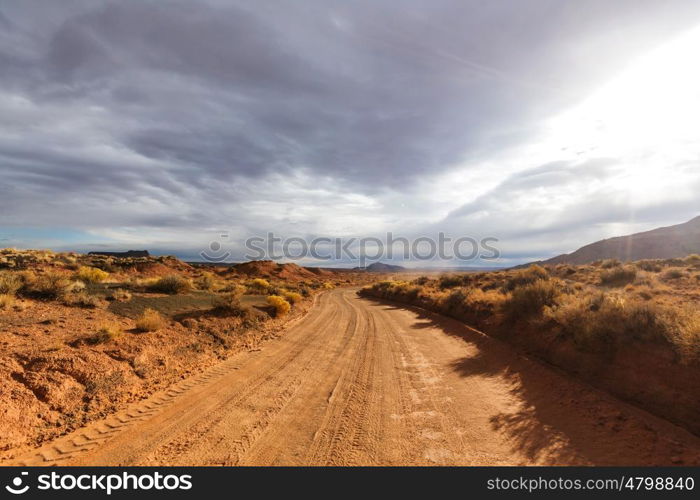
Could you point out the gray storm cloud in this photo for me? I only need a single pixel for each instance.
(139, 117)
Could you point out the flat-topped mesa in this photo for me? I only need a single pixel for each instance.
(123, 255)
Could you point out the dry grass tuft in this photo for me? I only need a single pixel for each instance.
(81, 299)
(106, 333)
(149, 321)
(10, 283)
(7, 301)
(48, 286)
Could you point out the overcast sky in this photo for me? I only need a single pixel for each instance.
(162, 124)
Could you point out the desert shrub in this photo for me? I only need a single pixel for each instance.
(49, 286)
(91, 275)
(394, 290)
(281, 306)
(230, 304)
(7, 300)
(618, 276)
(259, 285)
(206, 281)
(645, 293)
(609, 263)
(652, 266)
(291, 297)
(526, 276)
(596, 322)
(106, 333)
(119, 294)
(149, 321)
(81, 299)
(453, 302)
(379, 289)
(449, 281)
(485, 298)
(421, 280)
(692, 259)
(327, 285)
(564, 270)
(172, 285)
(685, 333)
(530, 299)
(673, 273)
(76, 287)
(10, 283)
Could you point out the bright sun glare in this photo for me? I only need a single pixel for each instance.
(649, 116)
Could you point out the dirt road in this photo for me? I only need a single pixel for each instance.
(363, 382)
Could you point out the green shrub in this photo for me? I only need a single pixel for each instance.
(230, 304)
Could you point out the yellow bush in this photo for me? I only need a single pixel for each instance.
(91, 274)
(6, 300)
(291, 297)
(281, 306)
(328, 285)
(149, 321)
(259, 285)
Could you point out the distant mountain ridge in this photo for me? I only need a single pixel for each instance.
(662, 243)
(380, 267)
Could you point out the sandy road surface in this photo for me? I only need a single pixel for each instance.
(363, 382)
